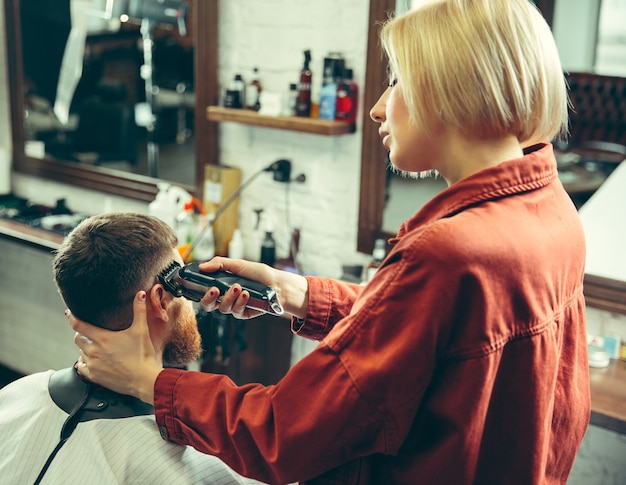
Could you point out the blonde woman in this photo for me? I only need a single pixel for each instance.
(464, 359)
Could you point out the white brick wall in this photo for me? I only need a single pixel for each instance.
(272, 36)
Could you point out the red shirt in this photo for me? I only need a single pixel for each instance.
(464, 360)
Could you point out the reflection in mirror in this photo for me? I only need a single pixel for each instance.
(405, 196)
(106, 92)
(590, 35)
(611, 46)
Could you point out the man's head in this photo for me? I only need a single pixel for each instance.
(106, 260)
(489, 68)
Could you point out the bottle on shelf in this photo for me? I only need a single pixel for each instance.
(334, 67)
(290, 100)
(315, 100)
(253, 91)
(378, 254)
(333, 72)
(235, 94)
(328, 101)
(303, 101)
(347, 98)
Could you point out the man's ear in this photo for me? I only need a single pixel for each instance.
(158, 301)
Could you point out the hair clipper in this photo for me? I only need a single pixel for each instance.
(190, 282)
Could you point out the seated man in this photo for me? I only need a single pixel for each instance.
(56, 427)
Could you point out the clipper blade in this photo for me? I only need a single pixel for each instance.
(168, 276)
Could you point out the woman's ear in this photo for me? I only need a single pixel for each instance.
(158, 301)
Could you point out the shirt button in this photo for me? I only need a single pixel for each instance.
(163, 432)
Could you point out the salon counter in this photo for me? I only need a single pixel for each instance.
(32, 236)
(608, 396)
(608, 385)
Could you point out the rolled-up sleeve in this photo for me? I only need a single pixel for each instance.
(329, 302)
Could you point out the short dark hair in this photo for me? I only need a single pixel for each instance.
(106, 260)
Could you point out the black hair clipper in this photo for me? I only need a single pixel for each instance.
(190, 282)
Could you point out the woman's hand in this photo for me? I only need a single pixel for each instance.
(123, 361)
(291, 289)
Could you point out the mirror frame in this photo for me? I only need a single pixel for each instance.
(603, 293)
(373, 154)
(141, 187)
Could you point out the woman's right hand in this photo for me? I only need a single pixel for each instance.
(291, 289)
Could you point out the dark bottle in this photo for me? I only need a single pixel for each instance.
(235, 94)
(347, 99)
(268, 249)
(303, 101)
(334, 67)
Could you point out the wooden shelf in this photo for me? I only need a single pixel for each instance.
(292, 123)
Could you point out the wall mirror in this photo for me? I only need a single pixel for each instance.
(608, 294)
(105, 142)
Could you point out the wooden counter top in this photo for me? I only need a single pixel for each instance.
(608, 396)
(32, 236)
(608, 384)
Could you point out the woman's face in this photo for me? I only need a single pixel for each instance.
(410, 148)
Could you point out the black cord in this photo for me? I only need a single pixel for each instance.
(68, 428)
(222, 208)
(292, 244)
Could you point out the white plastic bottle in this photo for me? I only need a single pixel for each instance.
(205, 247)
(162, 206)
(253, 91)
(235, 246)
(169, 203)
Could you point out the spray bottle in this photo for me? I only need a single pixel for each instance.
(190, 223)
(252, 243)
(169, 202)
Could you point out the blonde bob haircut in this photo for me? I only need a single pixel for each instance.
(489, 68)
